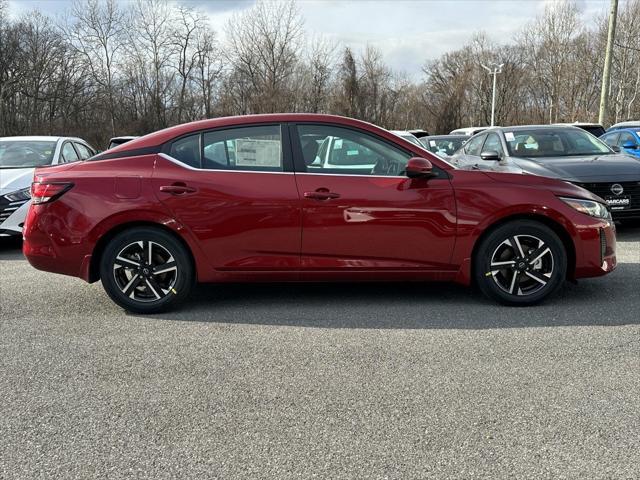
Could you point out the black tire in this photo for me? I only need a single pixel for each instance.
(130, 280)
(522, 282)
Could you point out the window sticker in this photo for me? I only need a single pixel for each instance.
(257, 153)
(509, 136)
(337, 145)
(352, 152)
(432, 143)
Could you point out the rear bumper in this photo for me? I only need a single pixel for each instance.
(47, 248)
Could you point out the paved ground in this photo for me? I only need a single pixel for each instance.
(326, 381)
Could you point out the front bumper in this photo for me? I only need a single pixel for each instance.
(12, 216)
(595, 249)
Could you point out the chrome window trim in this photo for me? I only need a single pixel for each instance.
(189, 167)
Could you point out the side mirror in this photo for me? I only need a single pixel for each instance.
(615, 148)
(630, 146)
(418, 167)
(490, 156)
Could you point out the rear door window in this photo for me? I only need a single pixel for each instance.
(83, 151)
(244, 148)
(68, 153)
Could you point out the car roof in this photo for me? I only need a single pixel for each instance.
(41, 138)
(33, 138)
(629, 123)
(555, 126)
(162, 136)
(123, 137)
(579, 124)
(455, 135)
(402, 132)
(635, 130)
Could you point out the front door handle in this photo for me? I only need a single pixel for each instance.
(321, 194)
(177, 189)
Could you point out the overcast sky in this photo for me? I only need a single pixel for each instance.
(407, 32)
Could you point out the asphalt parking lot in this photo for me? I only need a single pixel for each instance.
(320, 381)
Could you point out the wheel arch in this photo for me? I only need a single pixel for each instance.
(103, 241)
(557, 228)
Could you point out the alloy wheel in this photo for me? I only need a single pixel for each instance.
(522, 265)
(145, 271)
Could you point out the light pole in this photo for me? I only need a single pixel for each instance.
(495, 71)
(606, 72)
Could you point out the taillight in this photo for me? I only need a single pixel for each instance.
(47, 192)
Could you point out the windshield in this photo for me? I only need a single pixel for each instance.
(553, 143)
(446, 146)
(26, 153)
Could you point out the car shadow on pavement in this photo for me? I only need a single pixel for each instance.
(610, 301)
(11, 248)
(629, 232)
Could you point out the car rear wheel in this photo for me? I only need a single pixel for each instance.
(520, 263)
(146, 270)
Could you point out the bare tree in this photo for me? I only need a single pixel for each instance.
(264, 48)
(96, 33)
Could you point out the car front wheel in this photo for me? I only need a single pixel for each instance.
(520, 263)
(146, 270)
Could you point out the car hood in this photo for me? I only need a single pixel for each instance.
(591, 168)
(12, 179)
(558, 187)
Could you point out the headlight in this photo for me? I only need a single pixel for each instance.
(19, 195)
(588, 207)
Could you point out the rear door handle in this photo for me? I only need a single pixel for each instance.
(177, 189)
(321, 194)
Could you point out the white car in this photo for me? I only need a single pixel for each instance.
(408, 136)
(19, 156)
(115, 141)
(470, 131)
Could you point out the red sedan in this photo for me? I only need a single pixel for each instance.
(301, 197)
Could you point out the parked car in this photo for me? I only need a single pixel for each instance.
(593, 128)
(621, 125)
(469, 131)
(19, 156)
(624, 140)
(444, 145)
(151, 217)
(418, 133)
(410, 137)
(566, 153)
(115, 141)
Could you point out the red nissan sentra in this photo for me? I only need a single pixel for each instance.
(302, 197)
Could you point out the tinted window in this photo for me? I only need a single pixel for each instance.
(68, 153)
(26, 153)
(594, 130)
(83, 151)
(244, 148)
(492, 144)
(473, 146)
(329, 149)
(187, 150)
